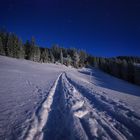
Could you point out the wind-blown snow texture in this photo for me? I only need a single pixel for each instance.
(53, 102)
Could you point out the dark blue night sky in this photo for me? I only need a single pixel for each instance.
(101, 27)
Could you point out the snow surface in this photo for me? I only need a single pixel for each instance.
(54, 102)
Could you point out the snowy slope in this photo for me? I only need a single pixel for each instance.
(53, 102)
(23, 87)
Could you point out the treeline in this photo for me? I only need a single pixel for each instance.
(123, 67)
(12, 46)
(127, 68)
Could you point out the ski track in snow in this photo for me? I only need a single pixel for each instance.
(115, 118)
(71, 112)
(40, 117)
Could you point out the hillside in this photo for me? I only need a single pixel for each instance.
(49, 101)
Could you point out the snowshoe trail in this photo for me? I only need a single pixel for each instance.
(40, 117)
(71, 112)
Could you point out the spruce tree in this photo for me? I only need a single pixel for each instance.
(124, 69)
(61, 57)
(10, 45)
(2, 51)
(130, 73)
(52, 57)
(21, 53)
(56, 50)
(137, 75)
(36, 54)
(76, 59)
(15, 46)
(4, 38)
(27, 50)
(82, 57)
(68, 60)
(32, 49)
(45, 56)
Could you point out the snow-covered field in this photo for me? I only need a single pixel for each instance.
(53, 102)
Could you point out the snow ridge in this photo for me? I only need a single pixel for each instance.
(117, 120)
(40, 118)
